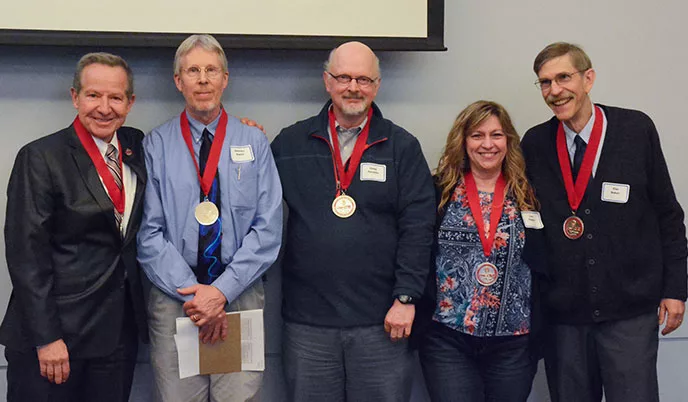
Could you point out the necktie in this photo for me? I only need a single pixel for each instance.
(112, 162)
(578, 155)
(209, 265)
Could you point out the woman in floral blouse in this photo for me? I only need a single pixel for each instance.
(477, 346)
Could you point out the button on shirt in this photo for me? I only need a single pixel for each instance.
(251, 208)
(585, 135)
(128, 180)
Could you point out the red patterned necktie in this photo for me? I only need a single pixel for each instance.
(112, 161)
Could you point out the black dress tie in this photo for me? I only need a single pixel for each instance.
(578, 155)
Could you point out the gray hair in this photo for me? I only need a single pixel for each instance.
(328, 62)
(106, 59)
(579, 58)
(206, 42)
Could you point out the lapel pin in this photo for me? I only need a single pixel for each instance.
(128, 152)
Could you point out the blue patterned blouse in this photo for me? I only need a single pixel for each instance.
(463, 303)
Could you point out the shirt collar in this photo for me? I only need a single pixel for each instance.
(197, 127)
(585, 132)
(103, 146)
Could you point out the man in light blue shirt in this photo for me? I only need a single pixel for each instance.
(212, 223)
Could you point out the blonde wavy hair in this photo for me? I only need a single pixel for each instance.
(454, 161)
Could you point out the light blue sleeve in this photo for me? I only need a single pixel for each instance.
(260, 246)
(159, 258)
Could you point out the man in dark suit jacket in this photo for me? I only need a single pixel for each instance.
(615, 238)
(73, 210)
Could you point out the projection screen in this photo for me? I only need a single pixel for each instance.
(255, 24)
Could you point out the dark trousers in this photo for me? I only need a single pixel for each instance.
(460, 367)
(101, 379)
(345, 364)
(618, 356)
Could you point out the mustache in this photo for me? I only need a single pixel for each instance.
(552, 99)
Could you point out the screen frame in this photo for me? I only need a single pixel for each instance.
(433, 42)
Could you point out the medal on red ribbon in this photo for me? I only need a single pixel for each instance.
(573, 225)
(114, 192)
(486, 273)
(206, 212)
(344, 205)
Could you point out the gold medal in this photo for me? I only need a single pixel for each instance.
(206, 213)
(573, 227)
(486, 274)
(343, 206)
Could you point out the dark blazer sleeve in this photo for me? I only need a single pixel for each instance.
(30, 204)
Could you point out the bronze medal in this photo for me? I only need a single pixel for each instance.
(206, 213)
(573, 227)
(575, 191)
(486, 274)
(343, 206)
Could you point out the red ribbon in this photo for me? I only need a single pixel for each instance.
(346, 176)
(114, 192)
(575, 194)
(215, 150)
(486, 239)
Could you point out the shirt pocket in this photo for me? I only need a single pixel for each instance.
(243, 185)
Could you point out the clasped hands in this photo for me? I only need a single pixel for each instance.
(207, 311)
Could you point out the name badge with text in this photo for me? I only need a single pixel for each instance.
(373, 172)
(615, 192)
(532, 219)
(242, 154)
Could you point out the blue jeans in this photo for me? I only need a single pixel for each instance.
(345, 364)
(461, 367)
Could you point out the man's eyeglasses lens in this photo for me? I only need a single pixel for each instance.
(362, 81)
(560, 79)
(211, 72)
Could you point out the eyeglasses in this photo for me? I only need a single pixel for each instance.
(211, 72)
(362, 81)
(560, 79)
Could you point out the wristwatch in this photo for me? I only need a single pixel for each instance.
(406, 299)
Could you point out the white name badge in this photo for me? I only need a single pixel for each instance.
(373, 172)
(242, 154)
(615, 192)
(532, 219)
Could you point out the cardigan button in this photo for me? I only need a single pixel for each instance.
(591, 262)
(594, 289)
(589, 236)
(597, 313)
(587, 211)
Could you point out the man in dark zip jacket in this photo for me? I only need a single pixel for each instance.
(361, 213)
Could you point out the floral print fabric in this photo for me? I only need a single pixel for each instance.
(465, 305)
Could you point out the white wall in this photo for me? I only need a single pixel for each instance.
(637, 48)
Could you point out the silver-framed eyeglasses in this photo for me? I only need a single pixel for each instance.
(362, 81)
(560, 79)
(211, 72)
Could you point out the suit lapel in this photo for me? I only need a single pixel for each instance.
(132, 156)
(90, 176)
